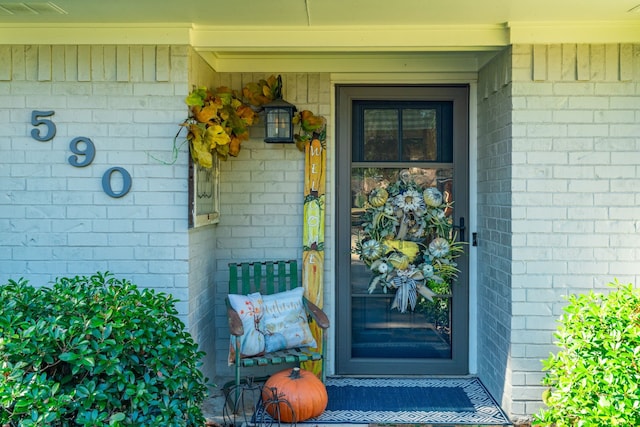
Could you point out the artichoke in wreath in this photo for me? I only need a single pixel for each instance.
(439, 247)
(378, 197)
(432, 197)
(371, 250)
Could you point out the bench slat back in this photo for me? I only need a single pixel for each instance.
(267, 277)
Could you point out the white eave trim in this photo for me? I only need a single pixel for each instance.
(95, 34)
(326, 39)
(574, 32)
(343, 62)
(341, 39)
(392, 49)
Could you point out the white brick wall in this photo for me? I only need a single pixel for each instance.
(592, 212)
(575, 178)
(260, 210)
(202, 253)
(55, 219)
(261, 196)
(494, 226)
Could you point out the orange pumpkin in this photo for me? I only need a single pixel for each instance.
(295, 394)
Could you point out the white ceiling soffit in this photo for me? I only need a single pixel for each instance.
(30, 9)
(322, 13)
(249, 34)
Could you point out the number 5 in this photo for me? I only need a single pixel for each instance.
(36, 120)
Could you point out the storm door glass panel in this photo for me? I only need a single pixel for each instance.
(402, 132)
(378, 331)
(419, 136)
(381, 134)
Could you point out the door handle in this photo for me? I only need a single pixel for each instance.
(461, 227)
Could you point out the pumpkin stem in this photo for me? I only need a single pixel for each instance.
(295, 374)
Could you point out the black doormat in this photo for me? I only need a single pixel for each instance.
(408, 401)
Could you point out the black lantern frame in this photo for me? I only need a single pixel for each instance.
(278, 118)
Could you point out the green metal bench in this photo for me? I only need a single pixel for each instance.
(268, 278)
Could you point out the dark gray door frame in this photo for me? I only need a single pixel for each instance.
(345, 95)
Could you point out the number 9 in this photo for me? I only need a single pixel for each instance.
(89, 152)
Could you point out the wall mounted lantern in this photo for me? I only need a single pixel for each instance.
(278, 122)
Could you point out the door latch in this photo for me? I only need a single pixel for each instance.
(461, 227)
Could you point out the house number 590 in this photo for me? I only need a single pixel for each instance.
(83, 150)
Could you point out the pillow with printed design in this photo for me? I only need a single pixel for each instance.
(284, 321)
(249, 308)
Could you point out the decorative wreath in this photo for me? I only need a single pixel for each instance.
(408, 242)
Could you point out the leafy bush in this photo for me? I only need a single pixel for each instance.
(594, 379)
(95, 351)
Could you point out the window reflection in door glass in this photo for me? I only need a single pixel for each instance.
(400, 134)
(381, 135)
(377, 330)
(419, 138)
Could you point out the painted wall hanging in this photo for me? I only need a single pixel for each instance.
(312, 138)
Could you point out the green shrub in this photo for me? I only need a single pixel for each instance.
(594, 379)
(95, 351)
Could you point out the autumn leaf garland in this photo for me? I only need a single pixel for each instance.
(218, 123)
(219, 120)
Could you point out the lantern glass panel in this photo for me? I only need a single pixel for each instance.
(279, 123)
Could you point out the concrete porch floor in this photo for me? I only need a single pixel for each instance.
(214, 412)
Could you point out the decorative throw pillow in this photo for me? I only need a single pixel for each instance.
(284, 321)
(249, 308)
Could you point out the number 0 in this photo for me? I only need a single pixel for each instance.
(126, 182)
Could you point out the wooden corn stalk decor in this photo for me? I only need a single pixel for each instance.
(313, 233)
